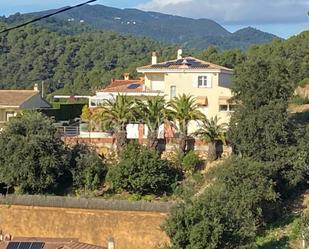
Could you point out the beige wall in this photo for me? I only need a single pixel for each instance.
(3, 112)
(184, 82)
(130, 229)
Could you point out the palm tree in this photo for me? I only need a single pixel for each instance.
(212, 132)
(117, 113)
(152, 112)
(182, 110)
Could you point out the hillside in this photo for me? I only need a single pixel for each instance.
(77, 59)
(72, 64)
(194, 33)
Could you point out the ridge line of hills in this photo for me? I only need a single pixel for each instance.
(183, 31)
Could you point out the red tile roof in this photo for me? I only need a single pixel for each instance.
(127, 86)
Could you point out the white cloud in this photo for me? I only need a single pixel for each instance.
(235, 11)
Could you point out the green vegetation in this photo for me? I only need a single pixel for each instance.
(289, 232)
(186, 32)
(190, 162)
(214, 134)
(241, 197)
(181, 110)
(270, 162)
(227, 214)
(141, 170)
(117, 114)
(304, 82)
(33, 158)
(71, 64)
(298, 100)
(152, 113)
(87, 168)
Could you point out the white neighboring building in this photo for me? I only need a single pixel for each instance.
(126, 87)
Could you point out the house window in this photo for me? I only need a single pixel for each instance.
(227, 108)
(223, 108)
(203, 81)
(173, 92)
(9, 115)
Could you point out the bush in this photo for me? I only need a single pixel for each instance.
(228, 213)
(87, 167)
(33, 158)
(298, 100)
(305, 227)
(190, 161)
(142, 171)
(304, 82)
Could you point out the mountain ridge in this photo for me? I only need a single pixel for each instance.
(184, 31)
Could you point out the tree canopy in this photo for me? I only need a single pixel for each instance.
(33, 157)
(74, 63)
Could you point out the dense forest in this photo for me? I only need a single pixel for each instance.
(78, 62)
(187, 32)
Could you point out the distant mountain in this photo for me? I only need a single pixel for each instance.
(194, 33)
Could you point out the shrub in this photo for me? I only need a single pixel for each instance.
(87, 167)
(141, 170)
(190, 161)
(305, 228)
(303, 83)
(228, 213)
(32, 156)
(298, 100)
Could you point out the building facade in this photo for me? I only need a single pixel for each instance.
(208, 83)
(12, 101)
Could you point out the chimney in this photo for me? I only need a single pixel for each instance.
(126, 76)
(111, 244)
(179, 54)
(154, 58)
(36, 88)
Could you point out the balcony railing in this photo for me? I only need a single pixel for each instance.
(68, 131)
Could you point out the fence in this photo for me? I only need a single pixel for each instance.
(68, 131)
(85, 203)
(64, 111)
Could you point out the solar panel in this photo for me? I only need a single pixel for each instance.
(37, 245)
(133, 86)
(12, 245)
(24, 245)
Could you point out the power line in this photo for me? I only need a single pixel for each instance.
(46, 16)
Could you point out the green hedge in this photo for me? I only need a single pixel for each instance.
(64, 112)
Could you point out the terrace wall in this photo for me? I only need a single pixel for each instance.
(131, 224)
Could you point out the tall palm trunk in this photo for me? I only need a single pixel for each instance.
(212, 150)
(121, 139)
(152, 139)
(182, 143)
(183, 137)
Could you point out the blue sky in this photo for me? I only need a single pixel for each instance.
(281, 17)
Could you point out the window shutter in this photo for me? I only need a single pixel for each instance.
(195, 81)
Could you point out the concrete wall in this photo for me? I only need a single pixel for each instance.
(130, 229)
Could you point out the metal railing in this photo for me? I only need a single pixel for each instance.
(68, 131)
